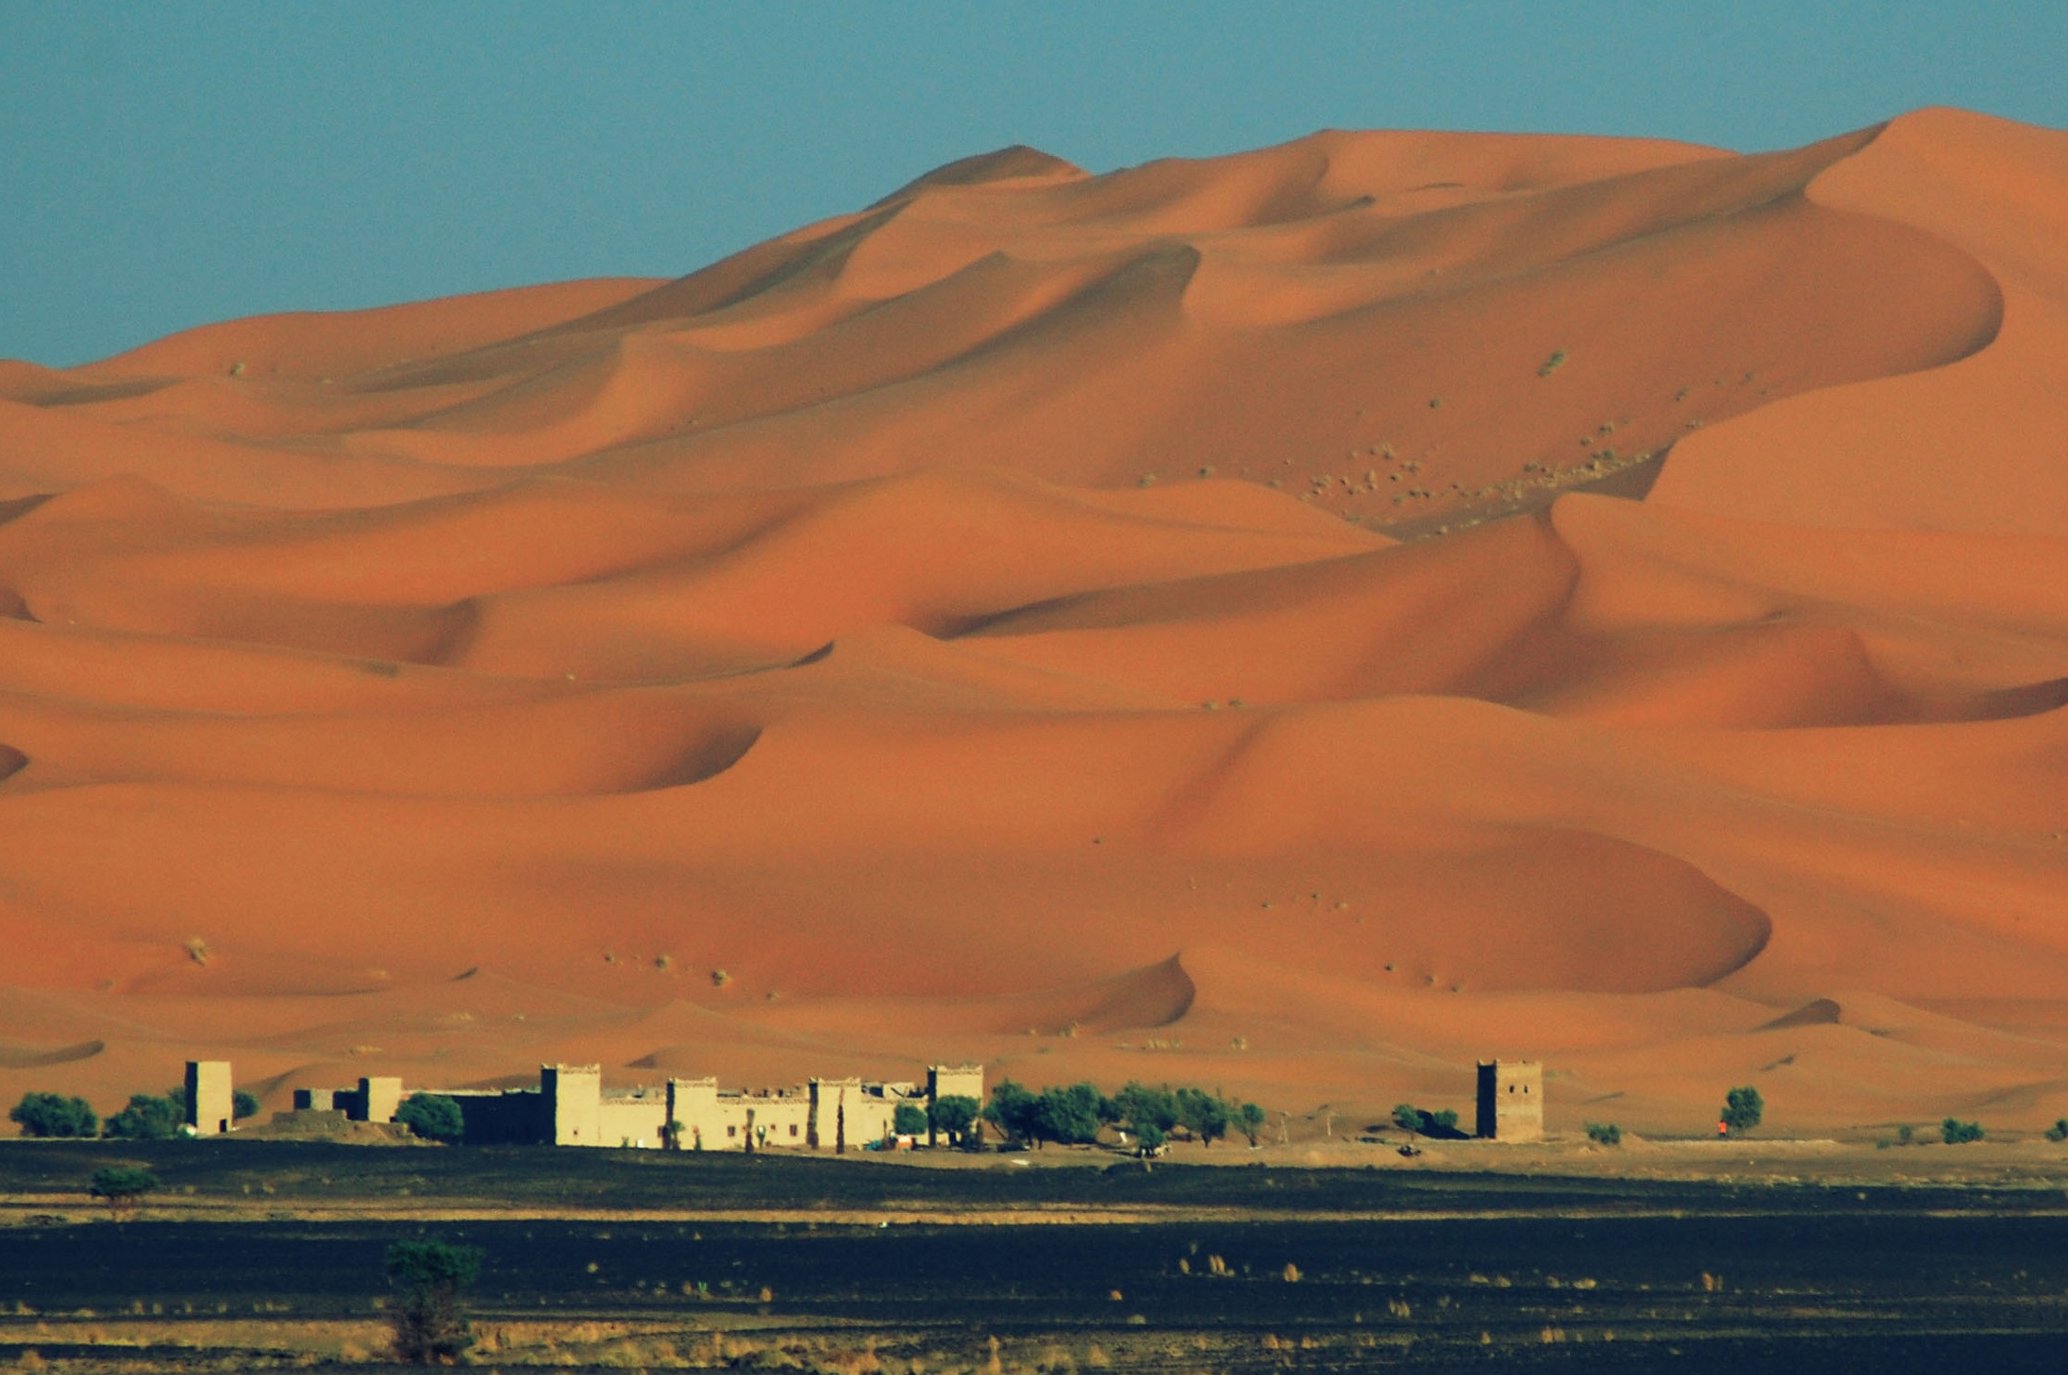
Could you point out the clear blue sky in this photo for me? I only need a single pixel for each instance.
(167, 164)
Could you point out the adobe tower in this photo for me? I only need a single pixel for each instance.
(1511, 1100)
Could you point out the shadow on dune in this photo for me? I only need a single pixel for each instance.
(717, 751)
(29, 1057)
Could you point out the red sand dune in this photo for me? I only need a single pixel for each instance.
(1296, 621)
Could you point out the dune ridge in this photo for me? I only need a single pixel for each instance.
(1296, 621)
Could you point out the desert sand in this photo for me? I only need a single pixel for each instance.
(1296, 622)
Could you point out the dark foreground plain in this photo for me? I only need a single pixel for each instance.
(601, 1260)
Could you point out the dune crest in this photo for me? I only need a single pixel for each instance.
(1295, 621)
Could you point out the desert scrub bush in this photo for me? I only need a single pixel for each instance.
(2058, 1131)
(425, 1280)
(148, 1118)
(1604, 1133)
(1743, 1109)
(48, 1114)
(1954, 1132)
(1553, 363)
(123, 1187)
(1423, 1122)
(432, 1116)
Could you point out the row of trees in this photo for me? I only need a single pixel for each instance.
(952, 1115)
(1074, 1114)
(160, 1117)
(148, 1117)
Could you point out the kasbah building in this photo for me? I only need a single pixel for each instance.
(570, 1108)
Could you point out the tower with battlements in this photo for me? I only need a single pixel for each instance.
(1511, 1100)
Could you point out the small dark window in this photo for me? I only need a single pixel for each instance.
(793, 1129)
(732, 1131)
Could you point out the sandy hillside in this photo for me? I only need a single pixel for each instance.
(1296, 621)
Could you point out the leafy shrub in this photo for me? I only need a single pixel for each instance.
(1250, 1118)
(426, 1278)
(1743, 1108)
(1605, 1133)
(47, 1114)
(123, 1186)
(1408, 1117)
(908, 1119)
(148, 1118)
(2058, 1131)
(1954, 1132)
(432, 1116)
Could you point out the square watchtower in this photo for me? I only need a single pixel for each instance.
(211, 1105)
(572, 1099)
(1511, 1100)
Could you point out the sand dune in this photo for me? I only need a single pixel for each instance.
(1296, 621)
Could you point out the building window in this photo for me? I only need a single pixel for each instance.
(732, 1131)
(793, 1129)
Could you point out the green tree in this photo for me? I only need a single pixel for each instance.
(147, 1119)
(432, 1116)
(1605, 1133)
(1251, 1119)
(1149, 1139)
(124, 1188)
(1204, 1114)
(1069, 1115)
(908, 1119)
(244, 1104)
(47, 1114)
(2058, 1131)
(954, 1115)
(1954, 1132)
(1742, 1109)
(1011, 1110)
(425, 1280)
(1140, 1106)
(1408, 1117)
